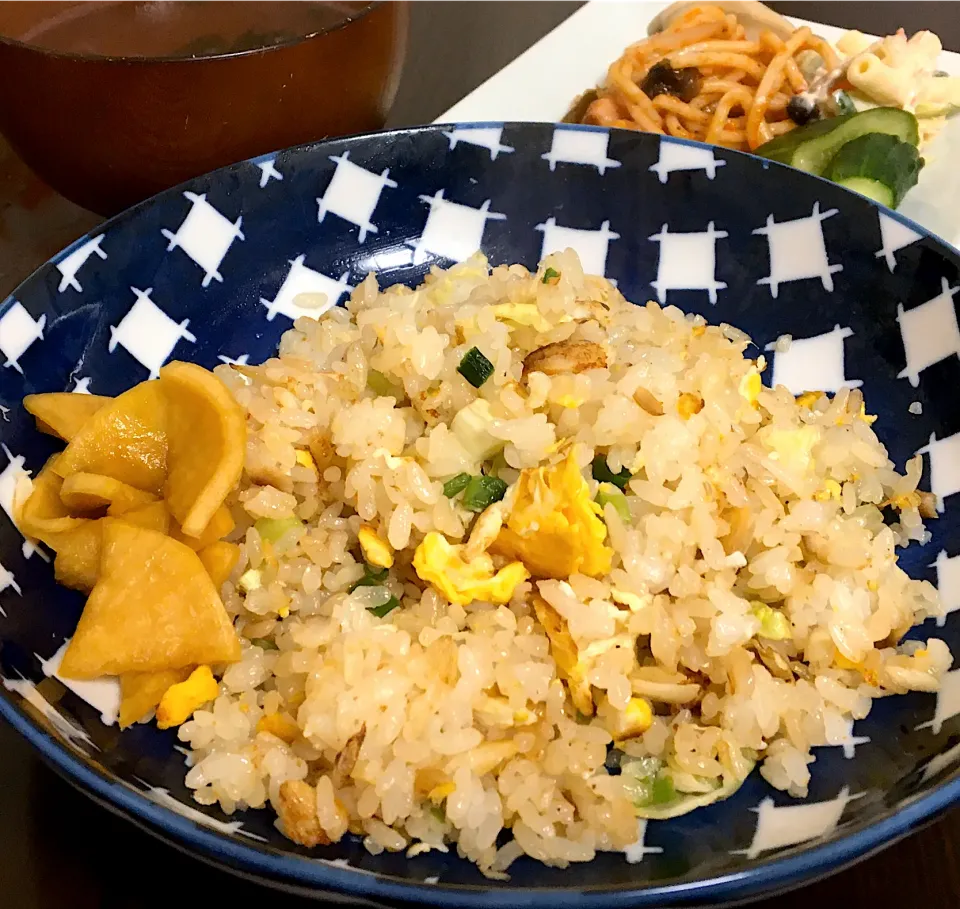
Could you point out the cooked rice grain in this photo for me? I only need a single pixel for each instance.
(751, 501)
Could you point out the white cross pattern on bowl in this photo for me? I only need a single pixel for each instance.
(487, 137)
(70, 264)
(578, 146)
(688, 261)
(929, 332)
(798, 250)
(303, 280)
(205, 235)
(147, 333)
(895, 235)
(18, 331)
(590, 245)
(788, 825)
(353, 194)
(452, 230)
(676, 156)
(813, 364)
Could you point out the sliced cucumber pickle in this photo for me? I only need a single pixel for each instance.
(812, 147)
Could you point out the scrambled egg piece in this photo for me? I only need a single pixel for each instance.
(634, 720)
(375, 550)
(305, 459)
(526, 314)
(140, 692)
(869, 675)
(486, 757)
(497, 711)
(750, 386)
(792, 448)
(831, 490)
(808, 399)
(689, 404)
(280, 725)
(439, 793)
(905, 501)
(867, 418)
(180, 700)
(554, 527)
(444, 566)
(443, 287)
(633, 602)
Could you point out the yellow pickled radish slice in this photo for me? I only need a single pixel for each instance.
(77, 564)
(217, 528)
(43, 514)
(140, 692)
(207, 435)
(126, 439)
(219, 559)
(62, 413)
(154, 607)
(91, 491)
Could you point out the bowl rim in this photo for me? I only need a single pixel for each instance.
(140, 60)
(313, 876)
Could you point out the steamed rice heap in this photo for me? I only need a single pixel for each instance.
(739, 602)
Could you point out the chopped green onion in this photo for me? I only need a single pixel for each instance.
(550, 276)
(456, 485)
(662, 790)
(638, 776)
(647, 782)
(497, 463)
(263, 644)
(372, 577)
(475, 367)
(388, 607)
(472, 426)
(272, 529)
(603, 474)
(438, 813)
(483, 491)
(774, 625)
(380, 385)
(608, 494)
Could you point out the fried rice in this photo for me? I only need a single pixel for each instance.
(741, 603)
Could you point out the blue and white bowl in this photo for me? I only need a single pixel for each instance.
(210, 271)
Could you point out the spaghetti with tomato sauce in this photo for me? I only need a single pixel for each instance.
(703, 78)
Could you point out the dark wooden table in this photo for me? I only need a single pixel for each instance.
(60, 851)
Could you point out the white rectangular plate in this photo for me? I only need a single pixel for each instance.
(542, 82)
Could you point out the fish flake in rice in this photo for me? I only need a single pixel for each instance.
(751, 513)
